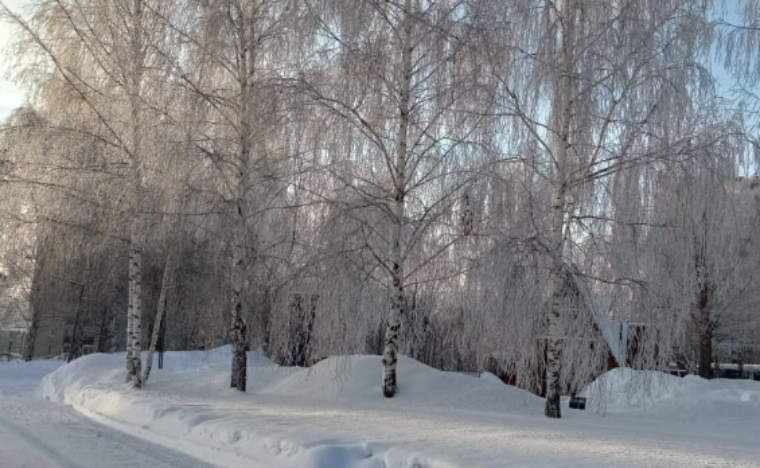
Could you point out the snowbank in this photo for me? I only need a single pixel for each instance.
(356, 379)
(334, 415)
(190, 399)
(722, 402)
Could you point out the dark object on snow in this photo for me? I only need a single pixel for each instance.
(578, 403)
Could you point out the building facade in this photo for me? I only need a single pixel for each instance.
(12, 341)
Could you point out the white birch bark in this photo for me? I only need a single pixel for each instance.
(245, 74)
(397, 299)
(563, 114)
(134, 82)
(134, 359)
(130, 317)
(238, 329)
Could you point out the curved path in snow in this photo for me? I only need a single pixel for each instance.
(35, 433)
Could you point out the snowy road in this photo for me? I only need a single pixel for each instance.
(315, 418)
(39, 434)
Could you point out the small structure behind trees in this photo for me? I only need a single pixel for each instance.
(506, 185)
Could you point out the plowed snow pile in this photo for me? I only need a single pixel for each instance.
(721, 402)
(333, 415)
(356, 379)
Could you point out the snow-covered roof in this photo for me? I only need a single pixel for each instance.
(614, 331)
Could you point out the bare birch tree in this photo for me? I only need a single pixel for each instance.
(413, 104)
(607, 81)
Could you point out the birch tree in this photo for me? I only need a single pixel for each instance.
(412, 106)
(236, 50)
(451, 179)
(101, 51)
(706, 253)
(594, 85)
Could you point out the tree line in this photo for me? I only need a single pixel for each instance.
(473, 183)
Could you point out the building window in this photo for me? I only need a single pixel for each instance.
(52, 331)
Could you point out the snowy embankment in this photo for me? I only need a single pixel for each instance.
(720, 403)
(189, 402)
(333, 415)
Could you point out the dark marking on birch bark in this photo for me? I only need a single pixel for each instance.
(239, 334)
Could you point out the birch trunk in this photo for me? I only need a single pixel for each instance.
(397, 299)
(238, 328)
(134, 82)
(130, 316)
(158, 322)
(134, 327)
(552, 407)
(563, 112)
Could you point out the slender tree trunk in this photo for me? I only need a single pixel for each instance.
(706, 353)
(31, 337)
(245, 74)
(74, 343)
(397, 299)
(552, 407)
(238, 328)
(111, 332)
(705, 330)
(563, 114)
(158, 322)
(134, 336)
(130, 317)
(390, 350)
(103, 333)
(34, 320)
(134, 84)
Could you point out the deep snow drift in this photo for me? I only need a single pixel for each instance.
(333, 415)
(722, 403)
(356, 379)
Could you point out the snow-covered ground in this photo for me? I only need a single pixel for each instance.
(720, 404)
(333, 416)
(40, 434)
